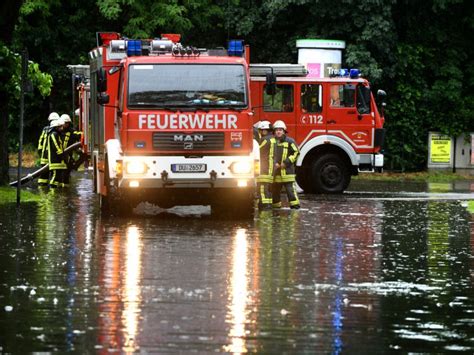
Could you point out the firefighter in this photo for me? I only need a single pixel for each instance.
(265, 179)
(57, 165)
(286, 152)
(256, 135)
(43, 179)
(70, 136)
(264, 130)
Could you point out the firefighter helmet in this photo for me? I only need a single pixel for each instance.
(65, 117)
(56, 123)
(265, 125)
(279, 124)
(53, 116)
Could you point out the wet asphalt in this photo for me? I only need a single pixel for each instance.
(384, 268)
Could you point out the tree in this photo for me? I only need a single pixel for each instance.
(9, 10)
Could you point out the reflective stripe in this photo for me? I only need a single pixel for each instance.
(59, 149)
(296, 201)
(276, 205)
(53, 181)
(283, 157)
(66, 139)
(264, 200)
(57, 166)
(265, 178)
(293, 157)
(285, 178)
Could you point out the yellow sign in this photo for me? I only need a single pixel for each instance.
(440, 148)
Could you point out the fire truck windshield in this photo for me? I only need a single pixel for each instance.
(187, 85)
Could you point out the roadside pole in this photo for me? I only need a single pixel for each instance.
(24, 74)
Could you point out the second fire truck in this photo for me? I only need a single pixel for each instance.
(335, 121)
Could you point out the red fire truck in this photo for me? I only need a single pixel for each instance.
(335, 122)
(170, 124)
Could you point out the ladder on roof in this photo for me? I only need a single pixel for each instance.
(284, 69)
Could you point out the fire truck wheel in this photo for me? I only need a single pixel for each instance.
(104, 200)
(104, 204)
(94, 179)
(302, 180)
(330, 174)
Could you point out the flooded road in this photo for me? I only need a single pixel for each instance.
(386, 267)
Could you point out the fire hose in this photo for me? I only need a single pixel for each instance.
(30, 177)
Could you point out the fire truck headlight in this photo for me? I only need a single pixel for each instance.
(242, 183)
(136, 167)
(241, 167)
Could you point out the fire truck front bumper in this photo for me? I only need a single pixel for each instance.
(180, 172)
(370, 161)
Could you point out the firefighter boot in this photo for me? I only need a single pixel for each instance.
(290, 188)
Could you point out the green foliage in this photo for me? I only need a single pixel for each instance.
(41, 83)
(470, 206)
(143, 18)
(418, 51)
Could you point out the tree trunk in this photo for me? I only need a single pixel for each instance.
(4, 165)
(9, 11)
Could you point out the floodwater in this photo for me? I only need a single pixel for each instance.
(384, 268)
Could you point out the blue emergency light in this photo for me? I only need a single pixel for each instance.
(134, 47)
(235, 48)
(344, 72)
(354, 73)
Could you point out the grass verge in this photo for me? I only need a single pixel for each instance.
(8, 195)
(431, 176)
(29, 157)
(470, 206)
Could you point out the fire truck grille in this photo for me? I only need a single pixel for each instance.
(188, 141)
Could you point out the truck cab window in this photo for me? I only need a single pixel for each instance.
(363, 99)
(282, 101)
(343, 95)
(311, 98)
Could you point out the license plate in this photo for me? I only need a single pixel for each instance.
(188, 168)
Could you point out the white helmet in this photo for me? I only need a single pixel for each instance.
(65, 117)
(56, 123)
(53, 116)
(264, 125)
(279, 124)
(256, 124)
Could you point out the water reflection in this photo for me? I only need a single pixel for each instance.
(238, 293)
(131, 292)
(347, 274)
(120, 285)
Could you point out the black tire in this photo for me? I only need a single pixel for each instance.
(104, 200)
(330, 174)
(94, 177)
(303, 180)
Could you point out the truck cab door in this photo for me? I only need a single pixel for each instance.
(311, 116)
(280, 106)
(349, 115)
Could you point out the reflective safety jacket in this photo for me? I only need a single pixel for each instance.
(286, 151)
(267, 155)
(71, 136)
(43, 145)
(56, 151)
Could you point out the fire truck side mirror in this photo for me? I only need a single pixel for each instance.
(101, 80)
(270, 87)
(103, 98)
